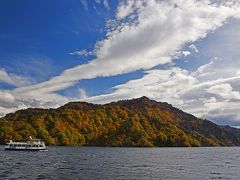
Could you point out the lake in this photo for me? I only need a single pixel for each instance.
(121, 163)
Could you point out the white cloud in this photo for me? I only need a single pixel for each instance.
(180, 54)
(126, 8)
(83, 52)
(208, 98)
(194, 48)
(225, 91)
(5, 77)
(6, 99)
(13, 79)
(152, 39)
(214, 99)
(186, 53)
(11, 101)
(164, 85)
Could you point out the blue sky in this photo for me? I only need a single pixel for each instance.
(40, 32)
(182, 52)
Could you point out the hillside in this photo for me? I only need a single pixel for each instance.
(137, 122)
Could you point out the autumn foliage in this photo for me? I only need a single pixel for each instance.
(139, 123)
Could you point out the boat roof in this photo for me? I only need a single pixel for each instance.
(18, 142)
(11, 141)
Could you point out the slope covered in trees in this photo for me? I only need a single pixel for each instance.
(138, 122)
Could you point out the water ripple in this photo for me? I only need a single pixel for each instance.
(121, 163)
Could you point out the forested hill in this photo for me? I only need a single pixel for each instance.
(137, 122)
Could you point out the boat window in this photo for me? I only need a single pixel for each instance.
(11, 145)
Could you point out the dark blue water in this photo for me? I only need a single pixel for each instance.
(121, 163)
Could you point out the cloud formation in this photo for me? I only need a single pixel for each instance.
(13, 79)
(83, 53)
(158, 31)
(212, 98)
(143, 35)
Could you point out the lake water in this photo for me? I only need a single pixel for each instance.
(121, 163)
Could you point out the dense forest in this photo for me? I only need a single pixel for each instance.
(138, 122)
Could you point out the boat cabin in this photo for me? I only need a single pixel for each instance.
(32, 144)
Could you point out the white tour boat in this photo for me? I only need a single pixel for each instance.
(30, 145)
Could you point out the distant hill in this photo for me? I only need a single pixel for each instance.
(138, 122)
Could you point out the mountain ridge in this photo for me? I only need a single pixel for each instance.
(136, 122)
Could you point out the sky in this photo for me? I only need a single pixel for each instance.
(184, 52)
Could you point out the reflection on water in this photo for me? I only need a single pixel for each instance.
(121, 163)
